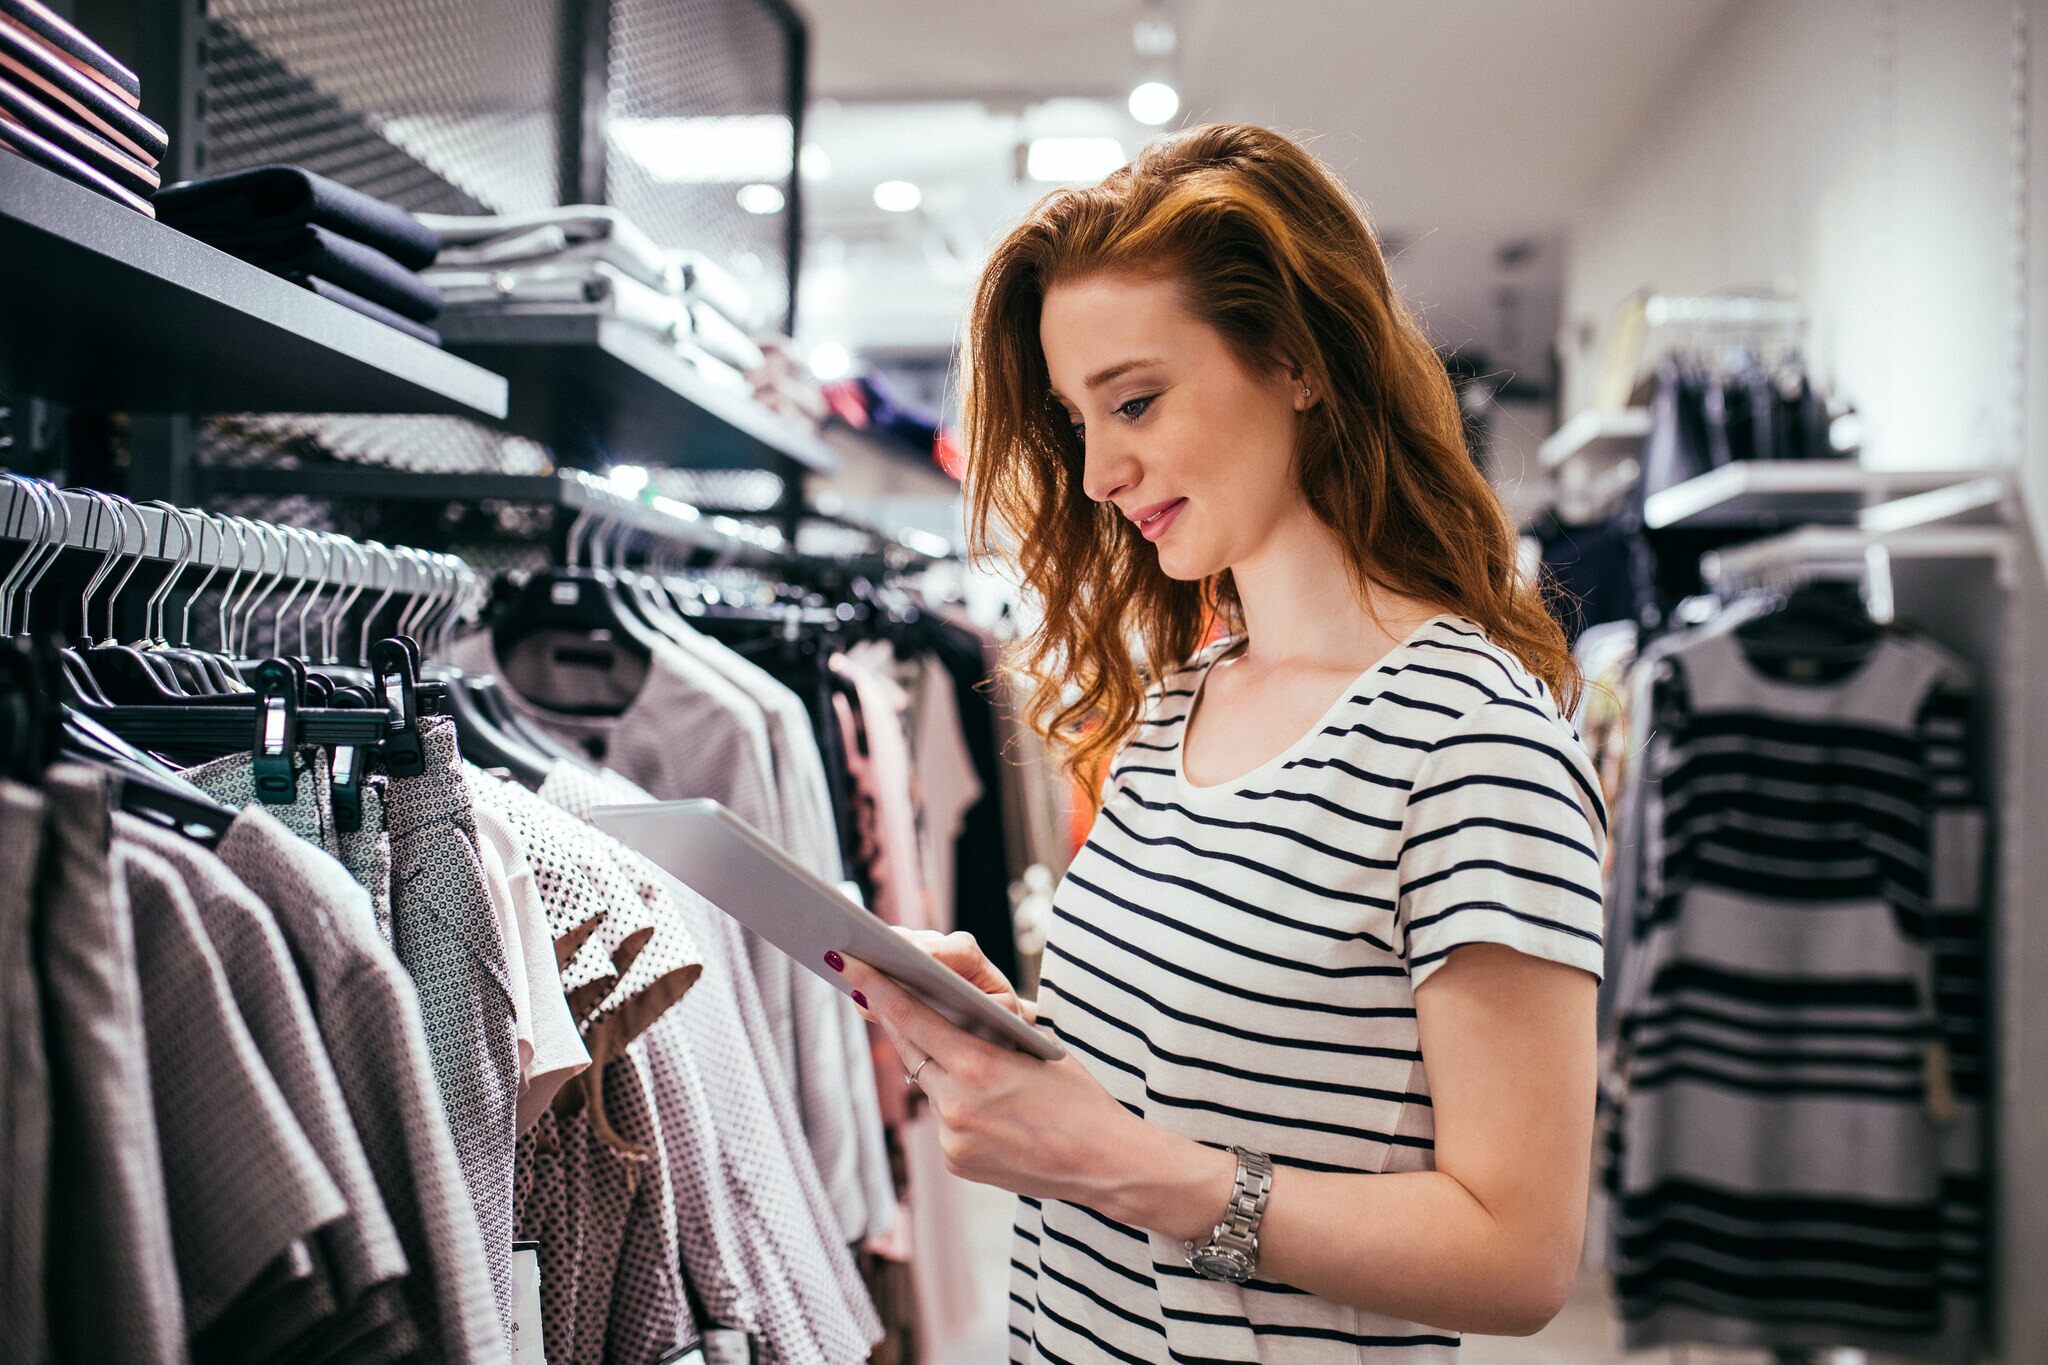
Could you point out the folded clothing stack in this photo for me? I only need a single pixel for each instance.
(68, 106)
(590, 258)
(362, 253)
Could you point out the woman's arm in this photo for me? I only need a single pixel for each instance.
(1488, 1241)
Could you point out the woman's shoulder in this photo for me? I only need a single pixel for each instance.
(1454, 667)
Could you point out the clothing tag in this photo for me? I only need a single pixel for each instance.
(1802, 668)
(527, 1346)
(564, 594)
(727, 1346)
(1941, 1086)
(687, 1355)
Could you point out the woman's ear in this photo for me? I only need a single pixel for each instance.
(1304, 392)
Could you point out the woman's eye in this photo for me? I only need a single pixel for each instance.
(1135, 409)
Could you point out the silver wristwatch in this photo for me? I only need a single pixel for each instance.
(1232, 1252)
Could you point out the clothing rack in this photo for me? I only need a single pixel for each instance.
(39, 512)
(1723, 310)
(618, 503)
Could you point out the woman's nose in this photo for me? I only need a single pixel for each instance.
(1106, 473)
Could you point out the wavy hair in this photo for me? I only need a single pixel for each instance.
(1268, 248)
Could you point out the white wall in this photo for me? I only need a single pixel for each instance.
(1774, 164)
(1792, 157)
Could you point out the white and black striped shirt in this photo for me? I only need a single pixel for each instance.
(1238, 963)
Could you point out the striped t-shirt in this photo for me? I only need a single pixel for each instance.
(1238, 963)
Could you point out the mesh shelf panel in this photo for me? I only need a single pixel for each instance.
(700, 59)
(453, 106)
(466, 90)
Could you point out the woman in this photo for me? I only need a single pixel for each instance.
(1330, 954)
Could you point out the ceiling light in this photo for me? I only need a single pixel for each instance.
(814, 162)
(761, 199)
(830, 360)
(898, 196)
(1059, 159)
(1154, 103)
(734, 150)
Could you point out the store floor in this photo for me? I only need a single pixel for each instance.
(1583, 1334)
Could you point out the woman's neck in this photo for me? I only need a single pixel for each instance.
(1303, 605)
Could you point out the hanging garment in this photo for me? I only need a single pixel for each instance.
(244, 1184)
(551, 1051)
(1216, 985)
(934, 1211)
(446, 933)
(366, 850)
(690, 732)
(111, 1272)
(1796, 1165)
(948, 784)
(652, 958)
(369, 1016)
(597, 1200)
(808, 1301)
(842, 1118)
(360, 1249)
(24, 1083)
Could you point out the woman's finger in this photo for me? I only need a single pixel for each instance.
(909, 1021)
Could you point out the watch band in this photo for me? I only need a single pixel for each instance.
(1232, 1252)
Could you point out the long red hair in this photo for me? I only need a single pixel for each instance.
(1271, 250)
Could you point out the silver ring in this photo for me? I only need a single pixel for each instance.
(910, 1077)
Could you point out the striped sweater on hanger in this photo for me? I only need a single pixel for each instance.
(1797, 1161)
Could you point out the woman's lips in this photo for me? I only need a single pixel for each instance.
(1155, 525)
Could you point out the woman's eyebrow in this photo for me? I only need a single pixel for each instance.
(1122, 367)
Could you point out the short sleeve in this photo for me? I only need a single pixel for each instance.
(1502, 843)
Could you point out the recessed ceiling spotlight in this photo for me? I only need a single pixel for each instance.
(761, 199)
(830, 360)
(897, 196)
(1154, 102)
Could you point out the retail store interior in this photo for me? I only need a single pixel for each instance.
(517, 408)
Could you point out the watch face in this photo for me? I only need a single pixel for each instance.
(1222, 1265)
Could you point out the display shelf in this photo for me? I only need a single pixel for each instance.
(1786, 492)
(103, 309)
(1812, 547)
(1975, 502)
(600, 390)
(727, 537)
(1595, 435)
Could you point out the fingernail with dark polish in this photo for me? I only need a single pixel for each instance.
(860, 1000)
(835, 962)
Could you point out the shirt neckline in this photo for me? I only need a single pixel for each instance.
(1294, 750)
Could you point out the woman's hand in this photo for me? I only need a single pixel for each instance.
(1045, 1129)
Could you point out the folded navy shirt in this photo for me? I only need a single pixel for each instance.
(357, 303)
(57, 33)
(315, 252)
(271, 201)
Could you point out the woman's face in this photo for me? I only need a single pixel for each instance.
(1194, 448)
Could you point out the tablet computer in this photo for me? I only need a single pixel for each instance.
(733, 865)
